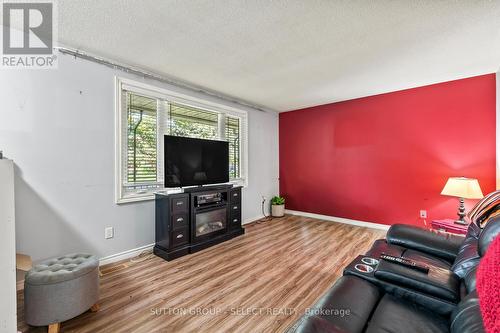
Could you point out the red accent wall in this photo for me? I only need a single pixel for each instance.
(383, 158)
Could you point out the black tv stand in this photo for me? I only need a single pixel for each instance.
(196, 219)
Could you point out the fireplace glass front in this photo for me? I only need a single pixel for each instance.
(211, 221)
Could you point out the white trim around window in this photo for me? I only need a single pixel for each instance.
(123, 196)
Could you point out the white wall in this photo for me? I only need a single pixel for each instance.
(58, 127)
(8, 320)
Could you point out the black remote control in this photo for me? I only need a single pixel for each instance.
(405, 262)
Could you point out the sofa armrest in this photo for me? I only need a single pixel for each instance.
(438, 282)
(341, 310)
(441, 245)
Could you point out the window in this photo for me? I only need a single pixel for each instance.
(145, 114)
(233, 136)
(142, 138)
(192, 122)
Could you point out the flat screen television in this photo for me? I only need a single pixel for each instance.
(190, 161)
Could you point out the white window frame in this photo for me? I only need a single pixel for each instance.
(175, 97)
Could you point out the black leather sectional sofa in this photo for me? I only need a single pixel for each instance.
(392, 298)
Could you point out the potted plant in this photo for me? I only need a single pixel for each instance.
(278, 206)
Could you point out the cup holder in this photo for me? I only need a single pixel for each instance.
(369, 261)
(363, 268)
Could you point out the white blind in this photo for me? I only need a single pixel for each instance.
(192, 122)
(163, 124)
(141, 168)
(232, 134)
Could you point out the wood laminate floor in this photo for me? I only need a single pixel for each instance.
(259, 282)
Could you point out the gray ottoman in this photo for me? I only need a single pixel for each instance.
(60, 289)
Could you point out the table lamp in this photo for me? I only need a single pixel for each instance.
(462, 188)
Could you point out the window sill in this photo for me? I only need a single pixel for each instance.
(239, 182)
(130, 198)
(135, 198)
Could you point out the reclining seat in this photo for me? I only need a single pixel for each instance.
(355, 305)
(447, 251)
(456, 253)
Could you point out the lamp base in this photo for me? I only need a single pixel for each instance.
(461, 212)
(461, 222)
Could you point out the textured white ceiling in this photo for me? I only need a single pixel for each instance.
(291, 54)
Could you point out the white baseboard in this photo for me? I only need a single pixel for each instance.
(125, 254)
(340, 220)
(253, 219)
(135, 252)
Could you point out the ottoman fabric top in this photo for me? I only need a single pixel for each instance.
(61, 269)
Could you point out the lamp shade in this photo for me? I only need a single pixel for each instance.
(461, 187)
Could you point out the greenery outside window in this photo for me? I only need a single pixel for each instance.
(142, 139)
(145, 114)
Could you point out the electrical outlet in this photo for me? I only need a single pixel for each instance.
(109, 233)
(423, 214)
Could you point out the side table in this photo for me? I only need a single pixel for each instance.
(449, 225)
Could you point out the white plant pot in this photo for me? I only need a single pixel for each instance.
(278, 210)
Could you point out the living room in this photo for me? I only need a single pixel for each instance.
(274, 166)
